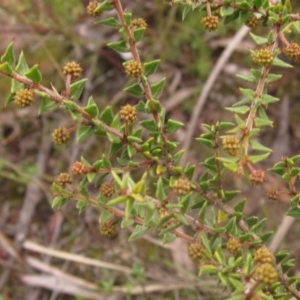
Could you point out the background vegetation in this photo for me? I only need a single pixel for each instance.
(53, 32)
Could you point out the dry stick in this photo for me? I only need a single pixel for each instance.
(31, 246)
(31, 199)
(207, 88)
(281, 232)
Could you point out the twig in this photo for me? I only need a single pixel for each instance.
(207, 88)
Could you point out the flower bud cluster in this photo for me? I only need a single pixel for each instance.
(231, 145)
(210, 23)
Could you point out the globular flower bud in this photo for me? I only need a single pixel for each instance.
(24, 98)
(266, 273)
(292, 51)
(210, 23)
(182, 186)
(60, 136)
(128, 113)
(78, 168)
(231, 145)
(72, 68)
(273, 195)
(107, 229)
(234, 246)
(257, 177)
(163, 212)
(133, 69)
(263, 255)
(63, 179)
(106, 189)
(252, 21)
(139, 22)
(90, 9)
(195, 251)
(263, 57)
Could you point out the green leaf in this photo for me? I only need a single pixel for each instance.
(106, 162)
(239, 110)
(92, 108)
(281, 255)
(249, 78)
(225, 125)
(113, 22)
(83, 133)
(128, 207)
(149, 125)
(157, 88)
(273, 77)
(126, 223)
(294, 212)
(265, 236)
(160, 192)
(22, 66)
(151, 67)
(168, 238)
(258, 40)
(172, 146)
(104, 6)
(114, 147)
(207, 143)
(258, 146)
(117, 200)
(250, 94)
(9, 55)
(138, 33)
(206, 244)
(231, 225)
(228, 159)
(280, 63)
(127, 17)
(258, 227)
(229, 195)
(239, 208)
(261, 122)
(46, 104)
(202, 212)
(107, 115)
(134, 139)
(138, 232)
(258, 3)
(266, 99)
(173, 126)
(170, 228)
(257, 158)
(237, 284)
(230, 18)
(288, 6)
(5, 67)
(119, 46)
(226, 11)
(10, 98)
(219, 255)
(134, 90)
(76, 88)
(178, 156)
(279, 171)
(58, 202)
(34, 74)
(185, 12)
(208, 270)
(81, 205)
